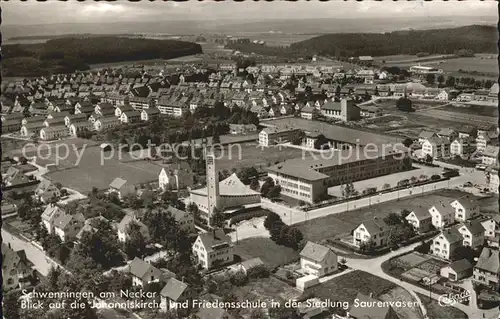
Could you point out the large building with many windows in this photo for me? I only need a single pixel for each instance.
(307, 179)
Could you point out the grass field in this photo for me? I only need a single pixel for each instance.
(346, 287)
(434, 310)
(332, 226)
(264, 248)
(253, 155)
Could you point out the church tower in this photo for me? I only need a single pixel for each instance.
(212, 184)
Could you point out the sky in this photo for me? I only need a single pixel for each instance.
(53, 11)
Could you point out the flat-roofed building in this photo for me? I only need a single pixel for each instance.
(308, 178)
(275, 135)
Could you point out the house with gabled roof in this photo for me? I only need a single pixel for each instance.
(46, 190)
(465, 208)
(420, 219)
(425, 135)
(317, 260)
(123, 227)
(120, 109)
(445, 244)
(373, 230)
(49, 215)
(121, 187)
(143, 273)
(213, 249)
(457, 270)
(442, 215)
(16, 268)
(472, 232)
(174, 292)
(487, 268)
(130, 117)
(67, 226)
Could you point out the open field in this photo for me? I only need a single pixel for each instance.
(272, 38)
(474, 110)
(337, 132)
(405, 59)
(271, 254)
(338, 225)
(253, 155)
(477, 120)
(435, 310)
(477, 63)
(266, 289)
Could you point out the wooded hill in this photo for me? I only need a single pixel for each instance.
(69, 54)
(477, 38)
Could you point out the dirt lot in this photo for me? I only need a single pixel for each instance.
(264, 248)
(337, 225)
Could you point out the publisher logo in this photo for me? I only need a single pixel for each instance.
(451, 298)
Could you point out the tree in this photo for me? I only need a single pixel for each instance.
(367, 247)
(298, 137)
(217, 218)
(215, 137)
(428, 159)
(423, 177)
(321, 142)
(430, 78)
(266, 187)
(135, 246)
(435, 177)
(254, 184)
(407, 142)
(413, 179)
(274, 192)
(450, 81)
(348, 190)
(393, 219)
(271, 219)
(466, 252)
(11, 304)
(404, 104)
(440, 79)
(386, 186)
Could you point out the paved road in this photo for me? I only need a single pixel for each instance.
(41, 262)
(373, 266)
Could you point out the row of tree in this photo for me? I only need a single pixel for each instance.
(281, 233)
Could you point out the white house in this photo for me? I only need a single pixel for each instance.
(442, 215)
(490, 155)
(437, 147)
(143, 272)
(487, 268)
(317, 260)
(472, 232)
(373, 230)
(213, 248)
(465, 208)
(444, 245)
(66, 226)
(457, 270)
(420, 219)
(124, 226)
(174, 293)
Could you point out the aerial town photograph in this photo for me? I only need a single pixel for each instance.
(250, 160)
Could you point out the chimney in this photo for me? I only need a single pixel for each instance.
(371, 294)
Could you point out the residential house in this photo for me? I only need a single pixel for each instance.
(173, 294)
(442, 215)
(103, 123)
(239, 129)
(308, 112)
(16, 268)
(461, 147)
(437, 147)
(10, 126)
(121, 187)
(184, 219)
(49, 215)
(74, 118)
(445, 244)
(175, 177)
(248, 264)
(317, 260)
(150, 114)
(492, 179)
(373, 230)
(472, 232)
(143, 273)
(76, 128)
(489, 156)
(124, 225)
(449, 133)
(467, 131)
(54, 132)
(491, 226)
(46, 190)
(465, 208)
(487, 268)
(425, 135)
(130, 117)
(457, 270)
(119, 110)
(67, 226)
(213, 248)
(420, 219)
